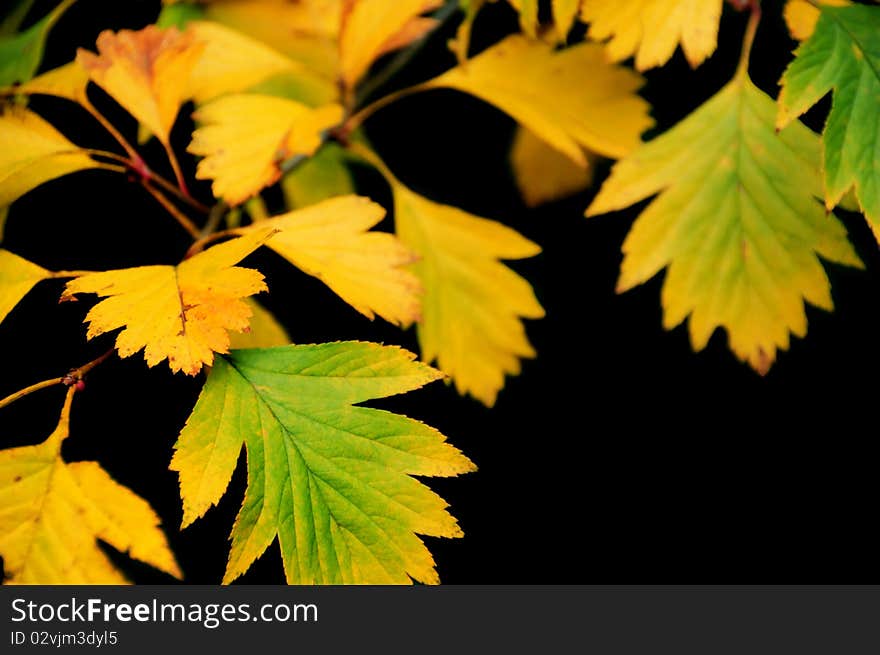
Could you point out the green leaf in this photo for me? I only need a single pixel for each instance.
(330, 480)
(21, 54)
(842, 55)
(179, 14)
(737, 223)
(323, 175)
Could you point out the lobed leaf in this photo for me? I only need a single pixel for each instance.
(17, 277)
(331, 480)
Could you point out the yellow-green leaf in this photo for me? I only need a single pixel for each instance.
(323, 175)
(652, 29)
(21, 54)
(544, 174)
(182, 313)
(52, 514)
(264, 330)
(332, 241)
(17, 277)
(331, 480)
(737, 222)
(68, 81)
(547, 91)
(147, 72)
(243, 154)
(33, 152)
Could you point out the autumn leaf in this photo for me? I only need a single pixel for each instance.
(323, 175)
(17, 277)
(330, 479)
(34, 152)
(546, 91)
(231, 62)
(182, 312)
(472, 303)
(52, 514)
(243, 155)
(528, 16)
(801, 16)
(147, 72)
(68, 81)
(460, 45)
(332, 241)
(652, 29)
(544, 174)
(737, 223)
(565, 12)
(843, 56)
(371, 28)
(263, 331)
(21, 54)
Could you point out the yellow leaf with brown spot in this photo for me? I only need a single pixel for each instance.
(651, 30)
(147, 72)
(52, 514)
(548, 92)
(245, 139)
(544, 174)
(371, 28)
(17, 277)
(34, 152)
(181, 313)
(332, 240)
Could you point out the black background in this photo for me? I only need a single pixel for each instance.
(618, 456)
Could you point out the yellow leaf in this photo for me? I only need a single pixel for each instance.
(548, 92)
(564, 14)
(68, 81)
(737, 222)
(33, 152)
(369, 28)
(306, 30)
(473, 304)
(147, 72)
(52, 513)
(332, 241)
(264, 330)
(231, 62)
(17, 277)
(182, 312)
(544, 174)
(528, 16)
(245, 138)
(651, 29)
(801, 16)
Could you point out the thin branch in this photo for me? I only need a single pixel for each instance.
(73, 376)
(749, 38)
(354, 121)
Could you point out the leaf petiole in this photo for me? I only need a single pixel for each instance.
(73, 376)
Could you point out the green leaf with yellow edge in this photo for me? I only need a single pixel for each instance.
(323, 175)
(331, 480)
(34, 152)
(737, 223)
(473, 304)
(843, 56)
(21, 54)
(652, 29)
(544, 174)
(243, 155)
(546, 91)
(17, 277)
(182, 313)
(264, 330)
(146, 71)
(332, 240)
(52, 514)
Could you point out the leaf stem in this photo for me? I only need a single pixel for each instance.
(178, 215)
(742, 69)
(178, 173)
(73, 376)
(107, 125)
(354, 121)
